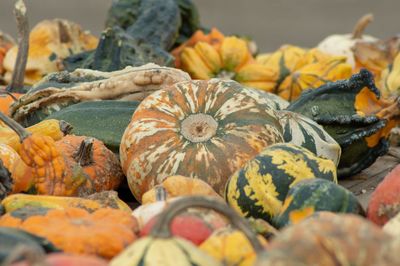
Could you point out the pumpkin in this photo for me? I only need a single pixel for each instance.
(104, 232)
(50, 41)
(231, 60)
(314, 195)
(259, 188)
(303, 131)
(59, 259)
(148, 39)
(56, 129)
(342, 44)
(353, 114)
(6, 42)
(341, 239)
(91, 203)
(384, 203)
(100, 166)
(97, 119)
(6, 99)
(59, 90)
(231, 247)
(175, 186)
(203, 129)
(161, 246)
(12, 238)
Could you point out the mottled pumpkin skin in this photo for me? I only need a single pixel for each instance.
(313, 195)
(259, 188)
(330, 240)
(199, 129)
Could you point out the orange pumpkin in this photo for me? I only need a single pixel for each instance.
(6, 99)
(105, 232)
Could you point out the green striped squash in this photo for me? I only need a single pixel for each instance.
(302, 131)
(259, 188)
(315, 195)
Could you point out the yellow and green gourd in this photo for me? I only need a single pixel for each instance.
(260, 187)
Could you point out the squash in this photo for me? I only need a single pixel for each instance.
(333, 239)
(12, 238)
(203, 129)
(231, 60)
(231, 247)
(161, 246)
(303, 131)
(50, 41)
(100, 166)
(259, 188)
(315, 195)
(353, 114)
(91, 203)
(104, 232)
(148, 39)
(176, 186)
(384, 203)
(342, 44)
(56, 129)
(59, 90)
(97, 119)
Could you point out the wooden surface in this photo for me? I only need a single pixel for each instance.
(364, 183)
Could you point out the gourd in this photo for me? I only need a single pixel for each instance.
(231, 247)
(91, 203)
(392, 227)
(231, 60)
(146, 40)
(384, 203)
(97, 119)
(56, 129)
(175, 186)
(50, 41)
(59, 90)
(203, 129)
(162, 246)
(11, 238)
(6, 99)
(390, 82)
(59, 259)
(303, 131)
(342, 44)
(259, 188)
(314, 195)
(353, 114)
(331, 239)
(104, 232)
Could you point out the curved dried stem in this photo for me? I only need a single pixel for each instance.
(3, 91)
(361, 25)
(23, 46)
(21, 131)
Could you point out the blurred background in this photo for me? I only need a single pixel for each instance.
(269, 22)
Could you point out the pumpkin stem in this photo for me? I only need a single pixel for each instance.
(3, 91)
(361, 25)
(21, 132)
(23, 46)
(84, 155)
(162, 226)
(65, 127)
(32, 255)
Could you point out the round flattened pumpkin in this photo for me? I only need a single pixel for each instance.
(199, 129)
(259, 188)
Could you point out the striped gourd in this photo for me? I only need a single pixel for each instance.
(199, 129)
(259, 188)
(302, 131)
(310, 196)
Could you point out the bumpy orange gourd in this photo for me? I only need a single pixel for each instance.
(105, 232)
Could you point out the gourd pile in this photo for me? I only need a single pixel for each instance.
(162, 142)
